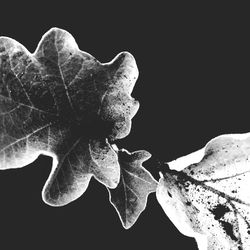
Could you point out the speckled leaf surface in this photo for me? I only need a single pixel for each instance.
(130, 196)
(62, 102)
(210, 200)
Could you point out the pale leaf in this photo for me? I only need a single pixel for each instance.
(211, 200)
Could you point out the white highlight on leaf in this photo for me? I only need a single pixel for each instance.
(187, 160)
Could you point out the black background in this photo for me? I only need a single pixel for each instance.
(194, 74)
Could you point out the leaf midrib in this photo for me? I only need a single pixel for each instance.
(184, 176)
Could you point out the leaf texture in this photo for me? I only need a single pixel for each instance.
(61, 101)
(211, 200)
(130, 196)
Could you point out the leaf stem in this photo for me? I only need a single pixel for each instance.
(160, 166)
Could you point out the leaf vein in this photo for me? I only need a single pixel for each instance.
(225, 178)
(63, 80)
(133, 192)
(25, 105)
(136, 176)
(26, 137)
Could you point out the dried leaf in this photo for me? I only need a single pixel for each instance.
(210, 200)
(61, 101)
(130, 196)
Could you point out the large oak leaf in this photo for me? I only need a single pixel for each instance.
(62, 102)
(210, 200)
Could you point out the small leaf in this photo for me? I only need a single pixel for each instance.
(62, 102)
(211, 198)
(130, 196)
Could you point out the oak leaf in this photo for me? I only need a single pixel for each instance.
(62, 102)
(210, 200)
